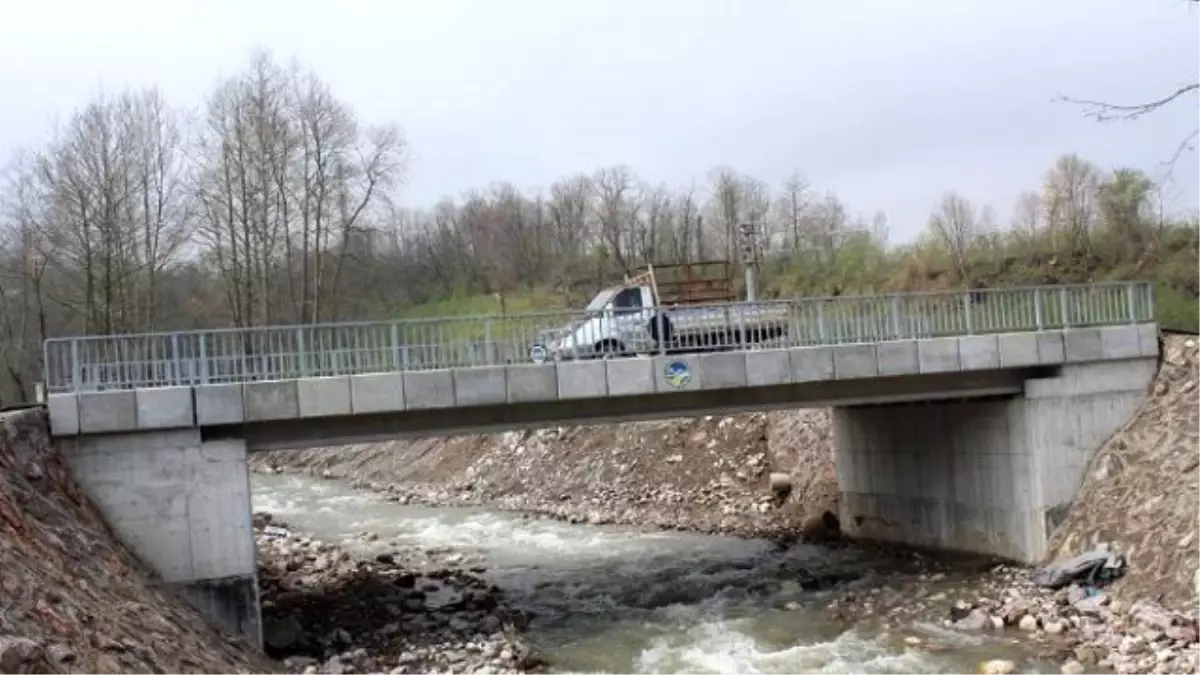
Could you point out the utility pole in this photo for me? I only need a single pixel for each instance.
(747, 234)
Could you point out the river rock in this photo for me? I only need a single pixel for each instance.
(975, 620)
(283, 633)
(1028, 623)
(998, 667)
(17, 654)
(1072, 667)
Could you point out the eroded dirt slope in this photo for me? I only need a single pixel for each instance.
(1142, 489)
(707, 473)
(74, 600)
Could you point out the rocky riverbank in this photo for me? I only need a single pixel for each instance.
(1082, 628)
(402, 611)
(72, 598)
(708, 474)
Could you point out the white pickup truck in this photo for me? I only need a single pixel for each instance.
(687, 309)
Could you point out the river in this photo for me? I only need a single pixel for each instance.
(616, 599)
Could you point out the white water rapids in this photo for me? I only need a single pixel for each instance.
(612, 599)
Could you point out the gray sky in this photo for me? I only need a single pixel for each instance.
(890, 103)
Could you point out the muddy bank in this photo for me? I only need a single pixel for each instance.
(708, 474)
(72, 599)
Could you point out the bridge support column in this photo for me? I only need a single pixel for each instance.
(182, 505)
(991, 476)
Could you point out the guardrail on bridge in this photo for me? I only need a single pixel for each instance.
(92, 363)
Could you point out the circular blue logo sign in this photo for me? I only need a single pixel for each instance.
(537, 354)
(677, 374)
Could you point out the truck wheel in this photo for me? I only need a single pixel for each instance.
(609, 348)
(667, 329)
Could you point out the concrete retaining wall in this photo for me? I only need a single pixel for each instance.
(988, 476)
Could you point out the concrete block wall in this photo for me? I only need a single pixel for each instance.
(991, 476)
(182, 505)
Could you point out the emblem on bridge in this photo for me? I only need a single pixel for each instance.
(677, 374)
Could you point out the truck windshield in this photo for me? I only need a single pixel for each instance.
(602, 298)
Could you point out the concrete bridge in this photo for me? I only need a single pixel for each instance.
(961, 420)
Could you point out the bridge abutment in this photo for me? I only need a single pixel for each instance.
(181, 505)
(991, 476)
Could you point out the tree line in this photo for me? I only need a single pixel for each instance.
(274, 203)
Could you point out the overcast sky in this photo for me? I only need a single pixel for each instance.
(888, 102)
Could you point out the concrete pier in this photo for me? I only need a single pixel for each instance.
(182, 505)
(992, 475)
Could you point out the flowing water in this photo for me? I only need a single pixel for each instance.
(613, 599)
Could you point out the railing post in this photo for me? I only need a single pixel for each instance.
(1037, 308)
(821, 334)
(176, 362)
(1130, 303)
(662, 336)
(896, 317)
(397, 357)
(76, 367)
(966, 303)
(301, 356)
(202, 355)
(1062, 306)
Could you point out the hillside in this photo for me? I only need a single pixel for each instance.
(72, 599)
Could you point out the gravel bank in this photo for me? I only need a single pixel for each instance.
(404, 611)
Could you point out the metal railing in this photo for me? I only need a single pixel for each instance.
(282, 352)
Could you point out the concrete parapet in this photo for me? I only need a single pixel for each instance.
(582, 379)
(1148, 339)
(979, 352)
(220, 404)
(271, 400)
(165, 408)
(939, 355)
(851, 362)
(898, 358)
(811, 364)
(631, 376)
(1050, 348)
(377, 392)
(424, 389)
(1018, 350)
(64, 414)
(1120, 342)
(481, 385)
(107, 411)
(723, 370)
(532, 382)
(1081, 345)
(324, 396)
(768, 367)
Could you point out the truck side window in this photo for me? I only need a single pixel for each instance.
(628, 300)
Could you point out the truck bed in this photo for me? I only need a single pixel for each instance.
(688, 321)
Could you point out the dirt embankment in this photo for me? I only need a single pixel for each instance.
(1142, 489)
(707, 474)
(72, 599)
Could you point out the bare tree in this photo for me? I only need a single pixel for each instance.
(956, 224)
